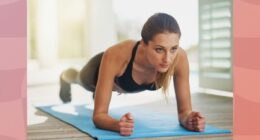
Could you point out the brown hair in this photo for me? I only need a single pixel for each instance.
(161, 23)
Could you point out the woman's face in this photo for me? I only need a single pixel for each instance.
(161, 50)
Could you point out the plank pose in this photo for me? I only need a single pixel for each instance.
(134, 66)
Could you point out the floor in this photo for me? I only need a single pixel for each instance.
(217, 110)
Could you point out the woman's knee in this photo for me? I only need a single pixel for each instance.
(70, 75)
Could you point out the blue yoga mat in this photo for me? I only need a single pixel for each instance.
(147, 122)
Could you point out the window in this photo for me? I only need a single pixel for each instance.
(215, 44)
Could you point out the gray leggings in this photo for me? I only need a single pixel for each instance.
(89, 73)
(88, 76)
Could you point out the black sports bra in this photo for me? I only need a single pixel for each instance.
(126, 81)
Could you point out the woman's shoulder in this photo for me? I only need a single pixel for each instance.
(118, 56)
(122, 50)
(122, 46)
(182, 61)
(182, 53)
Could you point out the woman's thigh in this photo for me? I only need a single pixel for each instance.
(89, 73)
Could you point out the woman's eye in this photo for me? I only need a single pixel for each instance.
(159, 50)
(173, 50)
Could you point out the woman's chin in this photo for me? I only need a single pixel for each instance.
(162, 70)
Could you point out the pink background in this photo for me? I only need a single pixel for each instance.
(13, 69)
(246, 66)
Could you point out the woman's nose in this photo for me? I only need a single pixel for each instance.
(167, 58)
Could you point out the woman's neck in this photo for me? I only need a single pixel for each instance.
(142, 64)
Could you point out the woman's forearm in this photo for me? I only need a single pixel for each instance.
(104, 121)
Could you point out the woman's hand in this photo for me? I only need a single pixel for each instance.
(194, 121)
(126, 125)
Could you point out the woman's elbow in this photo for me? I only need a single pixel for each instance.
(95, 120)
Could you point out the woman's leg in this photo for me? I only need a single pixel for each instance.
(87, 78)
(68, 77)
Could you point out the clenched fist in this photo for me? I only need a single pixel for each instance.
(126, 125)
(194, 121)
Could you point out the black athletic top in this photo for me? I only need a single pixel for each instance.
(126, 81)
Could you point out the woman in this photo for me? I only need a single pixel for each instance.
(134, 66)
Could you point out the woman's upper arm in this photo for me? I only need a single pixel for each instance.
(112, 64)
(107, 73)
(181, 83)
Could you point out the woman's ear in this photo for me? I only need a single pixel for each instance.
(142, 44)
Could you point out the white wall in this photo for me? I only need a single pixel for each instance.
(100, 30)
(46, 37)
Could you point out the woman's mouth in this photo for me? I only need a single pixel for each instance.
(164, 65)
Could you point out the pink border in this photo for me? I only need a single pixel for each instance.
(246, 68)
(13, 69)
